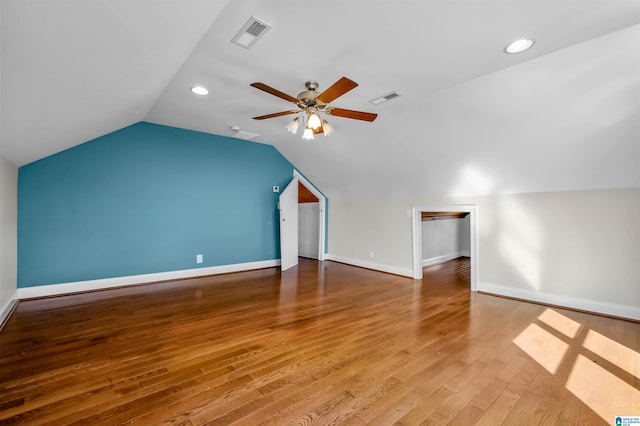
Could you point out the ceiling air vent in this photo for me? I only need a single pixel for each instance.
(385, 98)
(250, 32)
(237, 133)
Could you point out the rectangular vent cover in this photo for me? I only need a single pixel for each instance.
(250, 32)
(385, 98)
(244, 135)
(256, 28)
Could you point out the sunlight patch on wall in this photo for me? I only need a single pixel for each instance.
(617, 354)
(606, 394)
(563, 324)
(521, 241)
(545, 348)
(522, 259)
(472, 181)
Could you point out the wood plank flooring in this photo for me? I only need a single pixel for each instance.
(324, 343)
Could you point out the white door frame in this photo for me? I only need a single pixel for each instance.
(416, 229)
(322, 212)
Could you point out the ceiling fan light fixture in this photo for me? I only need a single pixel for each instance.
(308, 134)
(293, 125)
(519, 46)
(313, 120)
(310, 104)
(327, 128)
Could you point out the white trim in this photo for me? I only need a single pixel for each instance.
(623, 311)
(439, 259)
(79, 286)
(416, 230)
(322, 206)
(370, 265)
(7, 308)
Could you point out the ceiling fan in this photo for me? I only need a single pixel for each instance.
(312, 102)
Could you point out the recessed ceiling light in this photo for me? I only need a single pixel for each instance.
(519, 46)
(199, 90)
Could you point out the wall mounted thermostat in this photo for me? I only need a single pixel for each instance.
(276, 188)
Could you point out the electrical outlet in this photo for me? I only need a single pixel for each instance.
(371, 254)
(198, 258)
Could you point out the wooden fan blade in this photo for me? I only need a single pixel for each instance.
(274, 92)
(276, 114)
(349, 113)
(338, 89)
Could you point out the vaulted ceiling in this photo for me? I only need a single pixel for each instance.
(470, 119)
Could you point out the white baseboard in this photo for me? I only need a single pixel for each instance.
(7, 307)
(79, 286)
(439, 259)
(308, 255)
(371, 265)
(606, 308)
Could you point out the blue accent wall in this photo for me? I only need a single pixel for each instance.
(146, 199)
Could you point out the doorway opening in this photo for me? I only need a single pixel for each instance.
(311, 219)
(311, 232)
(417, 214)
(450, 276)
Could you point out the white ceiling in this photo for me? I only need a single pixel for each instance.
(471, 120)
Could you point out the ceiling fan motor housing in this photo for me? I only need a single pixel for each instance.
(308, 97)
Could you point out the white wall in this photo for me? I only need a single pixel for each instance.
(308, 223)
(444, 239)
(381, 228)
(464, 237)
(8, 231)
(8, 221)
(581, 245)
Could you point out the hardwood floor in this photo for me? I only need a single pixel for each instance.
(324, 343)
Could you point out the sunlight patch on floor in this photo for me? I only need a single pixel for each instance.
(617, 354)
(591, 382)
(545, 348)
(563, 324)
(606, 394)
